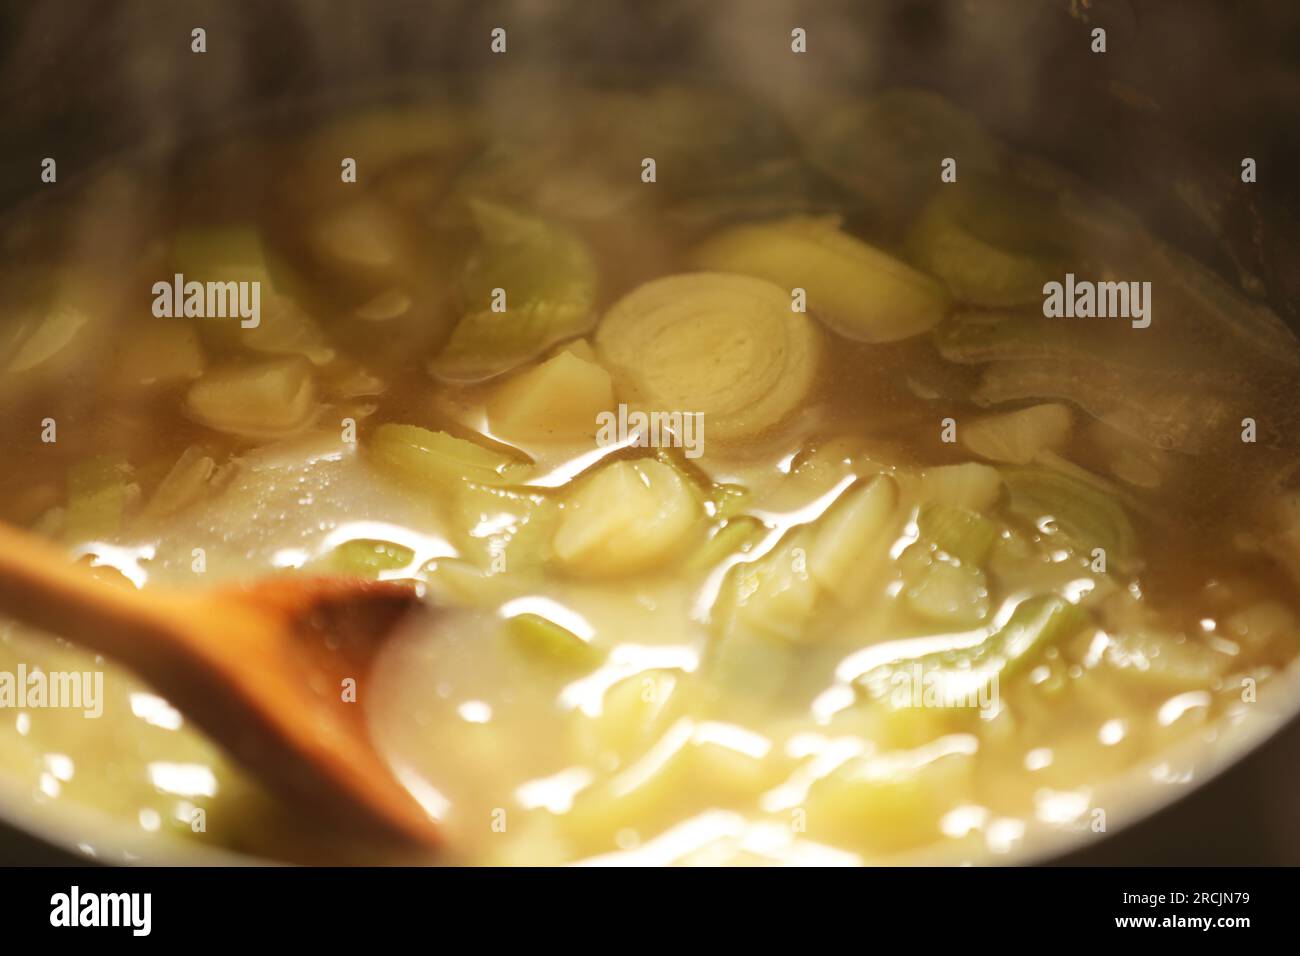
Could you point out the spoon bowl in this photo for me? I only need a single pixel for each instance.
(274, 671)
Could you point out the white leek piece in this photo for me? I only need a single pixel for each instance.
(430, 459)
(629, 516)
(856, 289)
(1017, 437)
(529, 285)
(727, 346)
(267, 400)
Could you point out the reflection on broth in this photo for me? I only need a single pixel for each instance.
(905, 564)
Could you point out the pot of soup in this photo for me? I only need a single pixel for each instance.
(838, 436)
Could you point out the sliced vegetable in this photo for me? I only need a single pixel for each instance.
(1079, 510)
(1170, 663)
(956, 595)
(392, 303)
(365, 240)
(1017, 437)
(368, 558)
(971, 485)
(1131, 460)
(856, 289)
(990, 245)
(854, 537)
(965, 674)
(505, 529)
(974, 336)
(99, 491)
(183, 485)
(558, 399)
(889, 802)
(548, 279)
(629, 516)
(1168, 411)
(737, 535)
(960, 532)
(430, 459)
(773, 596)
(46, 336)
(268, 400)
(750, 665)
(634, 713)
(1146, 386)
(726, 346)
(284, 328)
(550, 643)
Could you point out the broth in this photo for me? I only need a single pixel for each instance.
(904, 563)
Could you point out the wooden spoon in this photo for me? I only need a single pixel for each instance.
(260, 668)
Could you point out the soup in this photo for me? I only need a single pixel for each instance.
(845, 490)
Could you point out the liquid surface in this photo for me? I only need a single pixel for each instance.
(915, 567)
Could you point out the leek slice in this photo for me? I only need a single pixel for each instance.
(854, 537)
(47, 337)
(987, 243)
(1018, 437)
(1168, 411)
(856, 289)
(735, 536)
(1163, 662)
(363, 237)
(725, 345)
(549, 279)
(629, 516)
(1144, 386)
(369, 558)
(774, 596)
(889, 802)
(971, 485)
(427, 458)
(183, 485)
(960, 532)
(955, 595)
(967, 673)
(634, 713)
(268, 400)
(285, 329)
(504, 529)
(237, 253)
(1080, 510)
(544, 640)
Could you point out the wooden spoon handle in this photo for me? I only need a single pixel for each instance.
(41, 587)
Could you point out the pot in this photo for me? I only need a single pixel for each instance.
(1184, 92)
